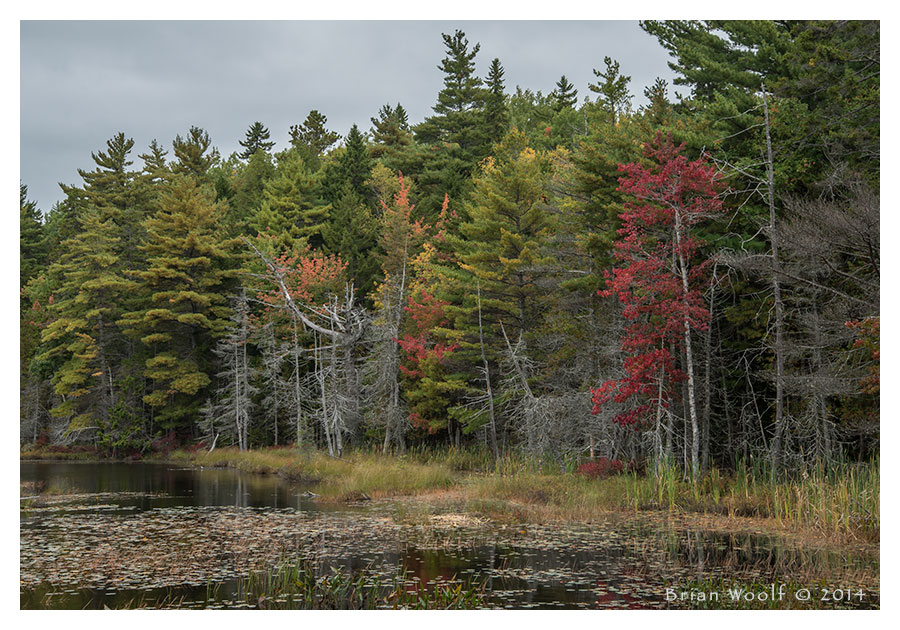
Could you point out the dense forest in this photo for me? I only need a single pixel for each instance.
(565, 275)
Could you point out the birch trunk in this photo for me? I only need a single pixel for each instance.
(689, 356)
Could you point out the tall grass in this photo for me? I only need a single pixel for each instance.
(357, 475)
(296, 586)
(842, 500)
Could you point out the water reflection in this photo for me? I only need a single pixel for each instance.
(622, 563)
(165, 485)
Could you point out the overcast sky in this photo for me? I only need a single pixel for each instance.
(83, 82)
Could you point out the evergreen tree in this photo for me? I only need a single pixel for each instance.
(256, 140)
(292, 209)
(193, 154)
(713, 55)
(496, 115)
(352, 234)
(503, 242)
(116, 192)
(109, 185)
(348, 170)
(247, 186)
(183, 308)
(612, 90)
(312, 138)
(390, 131)
(565, 94)
(658, 109)
(156, 170)
(32, 241)
(457, 111)
(83, 336)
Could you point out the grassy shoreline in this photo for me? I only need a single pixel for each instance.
(841, 504)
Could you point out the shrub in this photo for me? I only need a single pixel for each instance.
(603, 467)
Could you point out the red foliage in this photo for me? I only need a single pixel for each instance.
(196, 446)
(164, 444)
(427, 314)
(603, 467)
(401, 235)
(669, 198)
(308, 274)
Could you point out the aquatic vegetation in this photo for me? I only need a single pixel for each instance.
(132, 549)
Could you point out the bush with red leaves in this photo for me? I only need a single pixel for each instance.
(164, 444)
(603, 467)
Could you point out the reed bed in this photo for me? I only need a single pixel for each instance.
(841, 500)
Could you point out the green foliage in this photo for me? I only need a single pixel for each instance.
(82, 335)
(390, 131)
(246, 187)
(496, 117)
(190, 268)
(194, 155)
(352, 233)
(612, 89)
(257, 139)
(311, 138)
(565, 94)
(291, 208)
(32, 241)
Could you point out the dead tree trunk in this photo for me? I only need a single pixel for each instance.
(777, 455)
(487, 381)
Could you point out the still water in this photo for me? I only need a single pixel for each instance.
(112, 534)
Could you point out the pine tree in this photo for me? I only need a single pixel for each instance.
(352, 234)
(612, 90)
(156, 170)
(504, 238)
(565, 94)
(193, 154)
(32, 241)
(496, 115)
(84, 335)
(291, 209)
(109, 185)
(184, 305)
(247, 192)
(256, 140)
(658, 109)
(312, 138)
(457, 111)
(117, 192)
(390, 131)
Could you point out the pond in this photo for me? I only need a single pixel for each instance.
(158, 535)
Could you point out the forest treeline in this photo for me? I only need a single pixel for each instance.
(564, 274)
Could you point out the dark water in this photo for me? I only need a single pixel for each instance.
(625, 563)
(166, 485)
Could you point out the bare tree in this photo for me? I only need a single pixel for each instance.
(230, 409)
(344, 324)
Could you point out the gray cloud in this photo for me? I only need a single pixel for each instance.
(83, 82)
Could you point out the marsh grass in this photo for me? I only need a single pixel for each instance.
(356, 476)
(841, 501)
(58, 454)
(296, 585)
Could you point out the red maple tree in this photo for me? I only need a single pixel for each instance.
(657, 279)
